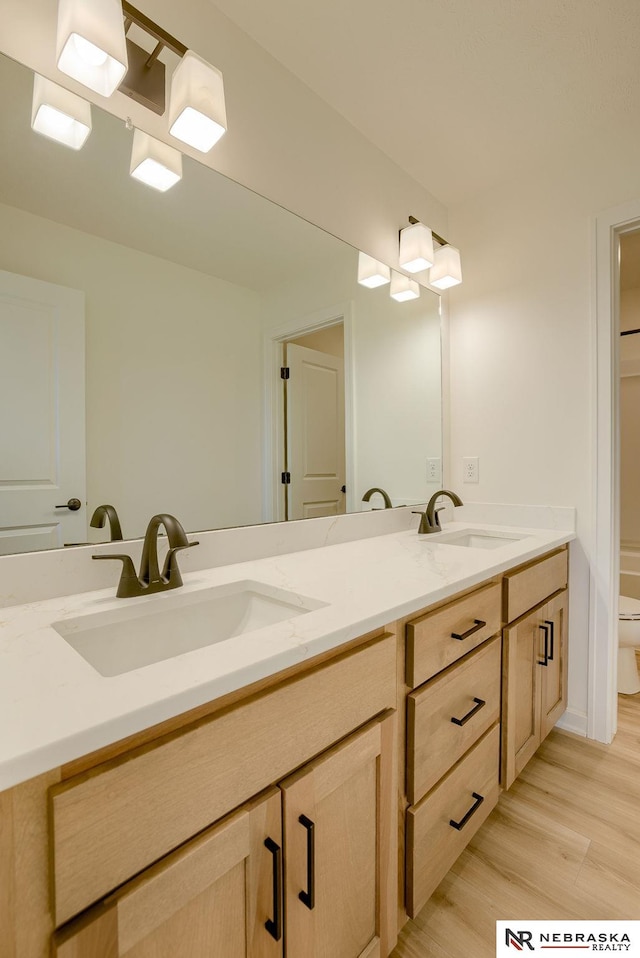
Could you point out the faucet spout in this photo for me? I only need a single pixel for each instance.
(99, 517)
(430, 521)
(387, 501)
(149, 566)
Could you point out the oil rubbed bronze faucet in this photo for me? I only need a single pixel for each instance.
(150, 579)
(100, 515)
(385, 496)
(430, 521)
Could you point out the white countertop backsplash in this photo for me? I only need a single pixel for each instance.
(55, 707)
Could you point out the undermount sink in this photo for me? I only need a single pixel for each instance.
(121, 640)
(478, 538)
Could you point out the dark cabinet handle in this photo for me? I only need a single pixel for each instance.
(551, 625)
(545, 629)
(274, 925)
(480, 703)
(308, 897)
(477, 625)
(72, 504)
(479, 799)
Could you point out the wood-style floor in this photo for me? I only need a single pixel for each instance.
(562, 843)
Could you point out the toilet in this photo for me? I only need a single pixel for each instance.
(628, 642)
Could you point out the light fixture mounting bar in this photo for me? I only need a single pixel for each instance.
(438, 239)
(132, 15)
(145, 78)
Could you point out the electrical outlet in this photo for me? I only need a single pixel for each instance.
(434, 470)
(470, 469)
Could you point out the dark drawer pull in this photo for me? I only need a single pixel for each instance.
(308, 897)
(551, 625)
(274, 925)
(545, 629)
(477, 625)
(480, 703)
(479, 799)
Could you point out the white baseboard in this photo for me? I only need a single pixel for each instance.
(573, 721)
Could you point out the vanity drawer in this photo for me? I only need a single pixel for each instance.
(431, 642)
(433, 843)
(469, 692)
(527, 587)
(109, 824)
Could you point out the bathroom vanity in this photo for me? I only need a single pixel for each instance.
(309, 782)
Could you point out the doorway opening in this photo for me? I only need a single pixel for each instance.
(629, 472)
(309, 427)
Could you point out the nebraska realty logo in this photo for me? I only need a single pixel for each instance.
(564, 937)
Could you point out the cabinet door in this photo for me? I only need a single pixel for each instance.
(213, 898)
(553, 676)
(522, 652)
(339, 831)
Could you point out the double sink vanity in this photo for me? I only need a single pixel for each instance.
(288, 753)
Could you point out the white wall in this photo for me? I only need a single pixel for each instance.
(522, 363)
(170, 353)
(282, 141)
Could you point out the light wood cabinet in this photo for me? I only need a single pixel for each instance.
(209, 899)
(221, 895)
(453, 734)
(534, 682)
(441, 825)
(340, 881)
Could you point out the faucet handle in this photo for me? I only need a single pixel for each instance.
(170, 571)
(129, 584)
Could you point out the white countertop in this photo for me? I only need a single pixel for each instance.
(55, 707)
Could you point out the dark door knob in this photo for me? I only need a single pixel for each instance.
(72, 504)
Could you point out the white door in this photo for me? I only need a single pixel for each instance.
(42, 419)
(315, 433)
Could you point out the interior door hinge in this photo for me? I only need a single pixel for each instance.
(286, 478)
(284, 372)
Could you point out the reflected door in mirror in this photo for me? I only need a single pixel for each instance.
(42, 429)
(315, 433)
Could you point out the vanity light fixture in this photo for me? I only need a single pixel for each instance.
(59, 114)
(155, 163)
(197, 112)
(91, 46)
(403, 288)
(372, 273)
(416, 247)
(447, 268)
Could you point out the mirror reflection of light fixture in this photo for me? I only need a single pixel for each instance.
(197, 112)
(372, 273)
(155, 163)
(59, 114)
(447, 269)
(403, 288)
(91, 45)
(416, 247)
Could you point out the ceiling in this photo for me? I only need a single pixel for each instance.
(463, 93)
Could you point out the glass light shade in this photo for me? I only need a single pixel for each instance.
(59, 114)
(403, 287)
(447, 269)
(91, 45)
(371, 273)
(197, 113)
(155, 163)
(416, 248)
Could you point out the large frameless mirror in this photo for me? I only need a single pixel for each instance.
(143, 338)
